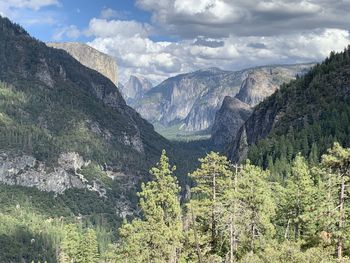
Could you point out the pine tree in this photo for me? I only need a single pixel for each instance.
(211, 179)
(300, 195)
(88, 250)
(71, 244)
(313, 156)
(258, 207)
(157, 236)
(336, 168)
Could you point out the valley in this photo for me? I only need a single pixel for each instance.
(126, 141)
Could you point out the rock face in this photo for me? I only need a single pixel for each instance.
(193, 99)
(134, 89)
(259, 84)
(229, 119)
(28, 171)
(91, 58)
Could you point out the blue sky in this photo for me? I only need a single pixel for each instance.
(67, 12)
(161, 38)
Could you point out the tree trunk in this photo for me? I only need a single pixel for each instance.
(231, 242)
(341, 219)
(287, 230)
(213, 215)
(199, 253)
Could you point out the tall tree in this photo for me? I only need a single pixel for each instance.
(258, 207)
(157, 236)
(88, 249)
(336, 165)
(211, 179)
(70, 247)
(301, 196)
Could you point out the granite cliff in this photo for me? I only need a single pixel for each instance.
(258, 85)
(134, 89)
(228, 120)
(91, 58)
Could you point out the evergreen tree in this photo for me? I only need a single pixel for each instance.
(334, 210)
(300, 195)
(211, 179)
(88, 250)
(258, 208)
(157, 236)
(70, 247)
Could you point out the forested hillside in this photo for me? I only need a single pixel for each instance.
(239, 214)
(307, 115)
(71, 150)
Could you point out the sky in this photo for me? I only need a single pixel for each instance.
(162, 38)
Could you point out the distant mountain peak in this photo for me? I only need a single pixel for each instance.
(135, 88)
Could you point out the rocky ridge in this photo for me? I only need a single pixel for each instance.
(134, 89)
(90, 58)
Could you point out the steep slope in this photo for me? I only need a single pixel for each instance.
(228, 120)
(258, 85)
(192, 100)
(64, 126)
(135, 88)
(305, 116)
(90, 58)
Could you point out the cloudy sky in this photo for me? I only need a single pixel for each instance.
(162, 38)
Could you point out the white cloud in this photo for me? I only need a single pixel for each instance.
(138, 54)
(71, 32)
(108, 13)
(108, 28)
(28, 12)
(31, 4)
(221, 18)
(7, 5)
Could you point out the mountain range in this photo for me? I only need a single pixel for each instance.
(190, 101)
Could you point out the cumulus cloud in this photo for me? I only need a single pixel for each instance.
(138, 54)
(107, 28)
(10, 7)
(221, 18)
(230, 34)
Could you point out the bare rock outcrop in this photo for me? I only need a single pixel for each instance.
(91, 58)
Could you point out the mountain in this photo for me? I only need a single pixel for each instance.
(190, 101)
(67, 137)
(305, 115)
(228, 120)
(91, 58)
(258, 84)
(135, 88)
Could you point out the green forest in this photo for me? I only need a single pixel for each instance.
(234, 213)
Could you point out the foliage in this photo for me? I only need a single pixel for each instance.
(313, 112)
(157, 236)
